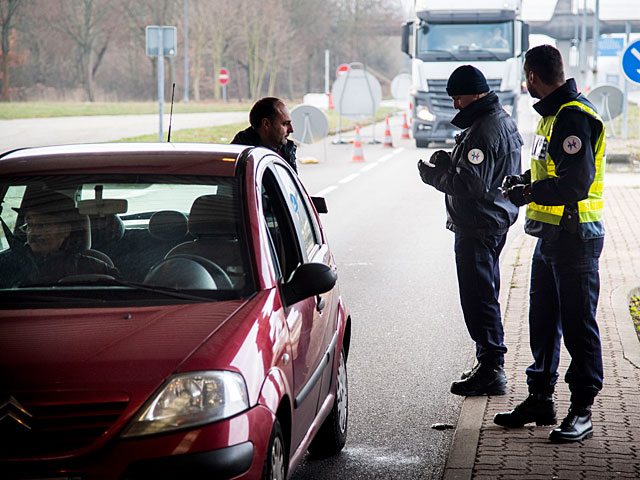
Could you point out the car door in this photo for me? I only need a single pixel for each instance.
(306, 322)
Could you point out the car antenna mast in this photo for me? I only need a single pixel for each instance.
(173, 90)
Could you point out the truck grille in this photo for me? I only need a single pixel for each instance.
(56, 429)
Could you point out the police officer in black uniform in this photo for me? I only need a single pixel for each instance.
(563, 193)
(478, 214)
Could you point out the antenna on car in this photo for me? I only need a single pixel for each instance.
(173, 90)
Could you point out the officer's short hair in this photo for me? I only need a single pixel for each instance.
(266, 107)
(546, 62)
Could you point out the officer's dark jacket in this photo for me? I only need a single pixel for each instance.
(249, 136)
(575, 173)
(487, 151)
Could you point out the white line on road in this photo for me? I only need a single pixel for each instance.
(348, 178)
(325, 191)
(369, 167)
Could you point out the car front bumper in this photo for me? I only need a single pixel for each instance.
(232, 448)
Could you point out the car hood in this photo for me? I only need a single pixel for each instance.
(101, 349)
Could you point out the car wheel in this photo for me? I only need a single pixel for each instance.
(332, 435)
(276, 459)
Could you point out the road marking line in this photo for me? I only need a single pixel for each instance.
(369, 167)
(385, 158)
(348, 178)
(325, 191)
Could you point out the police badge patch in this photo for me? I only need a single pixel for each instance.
(571, 144)
(475, 156)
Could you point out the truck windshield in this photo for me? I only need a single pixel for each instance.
(446, 42)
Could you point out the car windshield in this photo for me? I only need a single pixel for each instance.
(449, 42)
(123, 237)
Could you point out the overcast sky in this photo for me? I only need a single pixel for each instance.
(609, 9)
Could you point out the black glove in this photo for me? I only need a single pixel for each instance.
(440, 159)
(519, 195)
(428, 171)
(511, 180)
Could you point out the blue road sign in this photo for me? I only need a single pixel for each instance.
(631, 62)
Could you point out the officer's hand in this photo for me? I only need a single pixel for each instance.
(519, 195)
(427, 171)
(511, 180)
(440, 159)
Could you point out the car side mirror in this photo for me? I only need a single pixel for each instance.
(308, 280)
(320, 204)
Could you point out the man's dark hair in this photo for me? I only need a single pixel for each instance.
(546, 62)
(266, 107)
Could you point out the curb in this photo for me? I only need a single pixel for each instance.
(619, 304)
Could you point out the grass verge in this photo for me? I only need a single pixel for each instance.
(224, 133)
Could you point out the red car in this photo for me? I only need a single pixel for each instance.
(166, 310)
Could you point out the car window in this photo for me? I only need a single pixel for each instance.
(299, 209)
(11, 202)
(284, 243)
(137, 236)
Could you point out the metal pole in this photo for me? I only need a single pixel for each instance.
(160, 79)
(186, 51)
(596, 41)
(583, 46)
(625, 111)
(326, 72)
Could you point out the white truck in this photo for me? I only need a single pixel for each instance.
(444, 34)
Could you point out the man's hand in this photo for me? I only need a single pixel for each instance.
(519, 195)
(440, 159)
(512, 180)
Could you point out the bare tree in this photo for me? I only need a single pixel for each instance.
(86, 22)
(8, 13)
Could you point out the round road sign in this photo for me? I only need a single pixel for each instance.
(342, 69)
(631, 62)
(223, 76)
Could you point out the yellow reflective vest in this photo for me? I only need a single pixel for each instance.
(543, 167)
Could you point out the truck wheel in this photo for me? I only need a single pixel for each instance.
(333, 433)
(422, 143)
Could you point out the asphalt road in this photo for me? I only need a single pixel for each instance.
(409, 342)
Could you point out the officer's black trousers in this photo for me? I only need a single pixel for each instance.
(565, 286)
(477, 264)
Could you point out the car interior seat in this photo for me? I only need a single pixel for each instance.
(180, 273)
(213, 222)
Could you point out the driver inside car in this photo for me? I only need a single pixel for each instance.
(55, 247)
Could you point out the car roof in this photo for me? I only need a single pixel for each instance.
(158, 158)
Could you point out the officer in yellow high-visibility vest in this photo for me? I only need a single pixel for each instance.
(563, 193)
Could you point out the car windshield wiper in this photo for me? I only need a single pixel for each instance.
(107, 280)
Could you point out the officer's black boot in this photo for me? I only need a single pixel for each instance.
(575, 427)
(535, 408)
(485, 380)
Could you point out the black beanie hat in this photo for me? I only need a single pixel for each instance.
(466, 80)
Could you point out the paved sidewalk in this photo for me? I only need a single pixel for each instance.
(483, 450)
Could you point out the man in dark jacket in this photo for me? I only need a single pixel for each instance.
(478, 214)
(270, 126)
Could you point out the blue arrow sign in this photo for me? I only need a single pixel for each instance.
(631, 62)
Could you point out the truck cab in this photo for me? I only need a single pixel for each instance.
(441, 36)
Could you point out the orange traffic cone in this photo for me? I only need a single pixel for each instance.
(358, 154)
(387, 134)
(405, 128)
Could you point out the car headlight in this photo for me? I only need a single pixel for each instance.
(423, 113)
(189, 400)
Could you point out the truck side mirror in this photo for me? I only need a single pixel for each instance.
(525, 37)
(407, 30)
